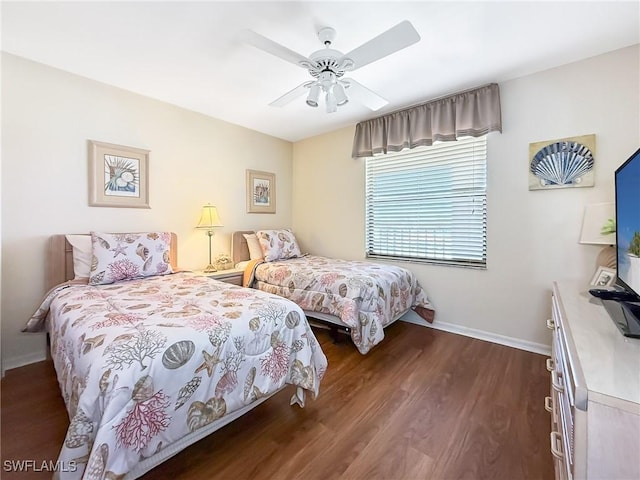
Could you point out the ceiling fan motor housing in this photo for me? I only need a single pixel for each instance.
(326, 60)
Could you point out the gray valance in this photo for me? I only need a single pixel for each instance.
(467, 114)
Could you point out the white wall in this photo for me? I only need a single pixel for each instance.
(48, 116)
(532, 235)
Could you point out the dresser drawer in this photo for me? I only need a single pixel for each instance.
(563, 395)
(566, 430)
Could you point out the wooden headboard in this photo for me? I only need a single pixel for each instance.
(60, 259)
(239, 247)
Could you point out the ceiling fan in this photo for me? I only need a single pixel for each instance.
(328, 66)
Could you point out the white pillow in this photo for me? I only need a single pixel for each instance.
(242, 265)
(81, 254)
(255, 251)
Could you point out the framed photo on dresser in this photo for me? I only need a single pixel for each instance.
(604, 277)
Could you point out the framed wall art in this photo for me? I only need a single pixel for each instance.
(261, 192)
(603, 277)
(562, 163)
(118, 176)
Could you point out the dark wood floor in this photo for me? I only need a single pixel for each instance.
(424, 404)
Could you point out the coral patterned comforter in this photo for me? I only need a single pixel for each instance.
(143, 363)
(363, 295)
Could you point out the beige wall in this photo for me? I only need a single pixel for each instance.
(532, 235)
(48, 116)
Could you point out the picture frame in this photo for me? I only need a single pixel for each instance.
(603, 277)
(261, 192)
(118, 176)
(562, 163)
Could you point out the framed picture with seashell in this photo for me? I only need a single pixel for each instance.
(261, 192)
(562, 163)
(118, 176)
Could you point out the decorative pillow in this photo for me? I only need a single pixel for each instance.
(124, 256)
(278, 244)
(81, 254)
(255, 250)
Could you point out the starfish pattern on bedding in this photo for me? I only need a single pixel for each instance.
(209, 364)
(119, 250)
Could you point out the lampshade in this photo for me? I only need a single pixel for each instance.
(209, 218)
(595, 218)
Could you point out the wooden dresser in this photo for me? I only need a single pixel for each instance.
(595, 390)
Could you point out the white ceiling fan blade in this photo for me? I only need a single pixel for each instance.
(363, 95)
(394, 39)
(269, 46)
(292, 95)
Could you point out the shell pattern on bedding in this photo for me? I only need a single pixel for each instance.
(364, 295)
(143, 363)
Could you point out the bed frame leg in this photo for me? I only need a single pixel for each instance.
(339, 334)
(335, 334)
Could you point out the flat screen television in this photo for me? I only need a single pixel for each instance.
(628, 224)
(624, 309)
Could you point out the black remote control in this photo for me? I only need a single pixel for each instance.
(613, 294)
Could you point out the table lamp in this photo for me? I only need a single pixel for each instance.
(209, 219)
(598, 228)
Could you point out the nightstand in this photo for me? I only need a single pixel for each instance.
(233, 275)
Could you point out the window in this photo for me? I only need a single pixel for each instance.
(429, 204)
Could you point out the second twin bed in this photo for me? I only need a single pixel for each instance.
(363, 296)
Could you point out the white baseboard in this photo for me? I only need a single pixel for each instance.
(22, 360)
(479, 334)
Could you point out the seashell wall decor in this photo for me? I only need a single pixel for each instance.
(562, 163)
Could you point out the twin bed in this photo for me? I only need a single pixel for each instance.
(148, 366)
(363, 297)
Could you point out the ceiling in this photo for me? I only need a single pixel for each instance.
(189, 53)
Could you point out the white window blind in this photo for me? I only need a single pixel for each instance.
(429, 204)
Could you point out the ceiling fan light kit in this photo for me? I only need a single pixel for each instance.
(314, 94)
(341, 97)
(327, 66)
(332, 105)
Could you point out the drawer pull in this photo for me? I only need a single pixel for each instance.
(556, 382)
(551, 364)
(548, 404)
(556, 439)
(551, 325)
